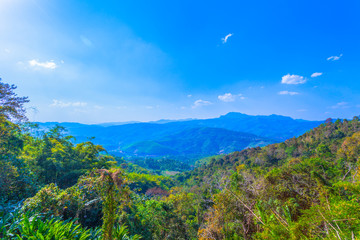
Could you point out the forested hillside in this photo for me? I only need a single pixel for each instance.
(54, 188)
(304, 188)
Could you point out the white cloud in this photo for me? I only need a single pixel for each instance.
(316, 74)
(227, 97)
(200, 103)
(224, 40)
(334, 58)
(86, 41)
(189, 95)
(287, 93)
(48, 64)
(340, 105)
(293, 79)
(61, 104)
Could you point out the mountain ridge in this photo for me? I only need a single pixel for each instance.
(122, 138)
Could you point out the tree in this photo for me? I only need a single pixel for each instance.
(113, 193)
(11, 105)
(13, 183)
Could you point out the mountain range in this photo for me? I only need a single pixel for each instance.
(190, 138)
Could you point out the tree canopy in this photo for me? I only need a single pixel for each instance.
(11, 105)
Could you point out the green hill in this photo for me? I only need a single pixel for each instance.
(149, 148)
(197, 142)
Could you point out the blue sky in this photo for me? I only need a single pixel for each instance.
(110, 61)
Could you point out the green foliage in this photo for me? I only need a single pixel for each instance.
(122, 233)
(96, 196)
(28, 162)
(80, 202)
(27, 225)
(131, 167)
(50, 229)
(16, 181)
(54, 154)
(143, 182)
(158, 221)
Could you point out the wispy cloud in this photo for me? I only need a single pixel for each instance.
(316, 74)
(293, 79)
(228, 97)
(287, 93)
(49, 64)
(121, 107)
(340, 105)
(225, 39)
(98, 107)
(334, 58)
(86, 41)
(61, 104)
(200, 103)
(152, 107)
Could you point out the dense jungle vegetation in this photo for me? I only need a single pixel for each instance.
(52, 188)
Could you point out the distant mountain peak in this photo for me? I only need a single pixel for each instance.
(238, 115)
(234, 115)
